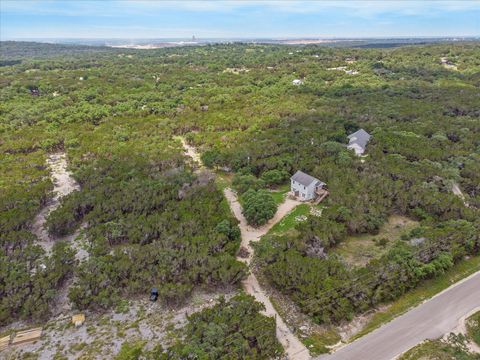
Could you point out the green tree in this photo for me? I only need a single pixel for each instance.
(258, 206)
(274, 177)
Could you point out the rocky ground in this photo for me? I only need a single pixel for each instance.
(102, 334)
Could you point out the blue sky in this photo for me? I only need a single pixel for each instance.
(236, 19)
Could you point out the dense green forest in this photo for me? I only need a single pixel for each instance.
(152, 221)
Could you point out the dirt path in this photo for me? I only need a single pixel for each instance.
(191, 151)
(294, 348)
(63, 184)
(456, 190)
(250, 233)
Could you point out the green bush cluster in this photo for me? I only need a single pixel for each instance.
(258, 206)
(147, 233)
(330, 291)
(232, 329)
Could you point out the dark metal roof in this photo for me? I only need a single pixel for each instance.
(305, 179)
(360, 137)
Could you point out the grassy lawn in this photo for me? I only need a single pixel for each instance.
(289, 221)
(280, 192)
(223, 179)
(360, 249)
(317, 343)
(473, 327)
(424, 291)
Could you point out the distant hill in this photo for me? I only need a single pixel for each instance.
(17, 50)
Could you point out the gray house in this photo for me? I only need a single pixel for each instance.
(306, 187)
(358, 141)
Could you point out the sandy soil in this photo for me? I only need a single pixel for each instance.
(191, 152)
(456, 190)
(294, 348)
(250, 233)
(63, 184)
(102, 334)
(353, 327)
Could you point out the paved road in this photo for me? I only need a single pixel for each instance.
(430, 320)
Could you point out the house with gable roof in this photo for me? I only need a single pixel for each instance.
(358, 141)
(305, 187)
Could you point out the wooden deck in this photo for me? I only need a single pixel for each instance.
(4, 342)
(27, 336)
(321, 194)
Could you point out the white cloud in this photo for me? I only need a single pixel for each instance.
(141, 10)
(125, 7)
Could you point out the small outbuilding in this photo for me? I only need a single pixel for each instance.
(78, 319)
(297, 82)
(306, 187)
(358, 141)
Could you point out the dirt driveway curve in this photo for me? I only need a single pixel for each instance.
(294, 348)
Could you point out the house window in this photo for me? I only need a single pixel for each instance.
(304, 187)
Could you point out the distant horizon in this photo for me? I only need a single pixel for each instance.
(254, 38)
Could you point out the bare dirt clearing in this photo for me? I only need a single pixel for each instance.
(360, 249)
(64, 184)
(101, 336)
(191, 152)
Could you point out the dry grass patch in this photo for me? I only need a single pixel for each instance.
(358, 250)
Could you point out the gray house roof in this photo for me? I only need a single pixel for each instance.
(360, 137)
(305, 179)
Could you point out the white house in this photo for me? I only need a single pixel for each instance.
(297, 82)
(358, 141)
(351, 72)
(304, 186)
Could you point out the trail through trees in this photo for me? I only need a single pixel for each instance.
(64, 184)
(294, 348)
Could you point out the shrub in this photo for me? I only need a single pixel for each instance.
(229, 230)
(242, 183)
(130, 351)
(274, 177)
(229, 330)
(258, 206)
(473, 327)
(212, 158)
